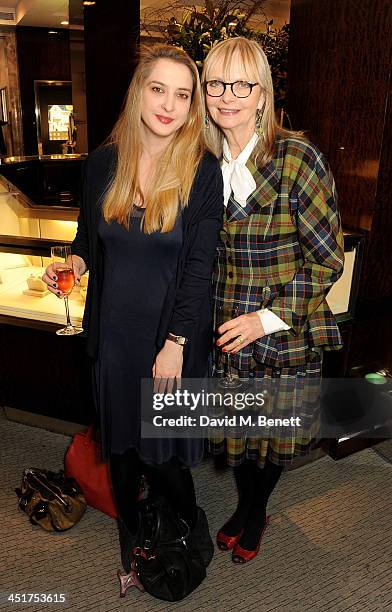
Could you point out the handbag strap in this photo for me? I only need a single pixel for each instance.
(42, 481)
(150, 544)
(90, 433)
(147, 544)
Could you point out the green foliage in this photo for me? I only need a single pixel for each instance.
(275, 44)
(197, 30)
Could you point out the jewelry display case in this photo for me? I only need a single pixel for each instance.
(27, 231)
(342, 297)
(43, 375)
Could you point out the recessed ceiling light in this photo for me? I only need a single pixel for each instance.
(88, 3)
(64, 22)
(52, 32)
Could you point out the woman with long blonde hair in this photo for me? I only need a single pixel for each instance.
(280, 251)
(149, 221)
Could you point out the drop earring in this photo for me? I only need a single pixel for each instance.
(206, 121)
(259, 126)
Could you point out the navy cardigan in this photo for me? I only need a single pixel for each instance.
(188, 306)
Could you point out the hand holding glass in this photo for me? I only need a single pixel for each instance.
(62, 267)
(224, 314)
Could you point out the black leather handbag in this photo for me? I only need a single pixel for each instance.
(165, 563)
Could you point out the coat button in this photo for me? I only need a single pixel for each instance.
(230, 275)
(266, 292)
(230, 259)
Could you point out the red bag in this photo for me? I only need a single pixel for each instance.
(83, 462)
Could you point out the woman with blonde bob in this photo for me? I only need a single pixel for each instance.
(149, 220)
(280, 251)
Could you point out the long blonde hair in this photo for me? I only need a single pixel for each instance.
(254, 63)
(170, 187)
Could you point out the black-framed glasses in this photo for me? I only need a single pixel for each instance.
(241, 89)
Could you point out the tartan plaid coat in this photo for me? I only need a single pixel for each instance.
(284, 251)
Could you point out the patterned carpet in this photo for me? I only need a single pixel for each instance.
(328, 547)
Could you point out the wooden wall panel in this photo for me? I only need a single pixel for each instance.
(40, 56)
(42, 374)
(377, 273)
(340, 90)
(111, 33)
(339, 66)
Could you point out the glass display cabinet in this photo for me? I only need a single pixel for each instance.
(342, 297)
(27, 231)
(38, 209)
(41, 373)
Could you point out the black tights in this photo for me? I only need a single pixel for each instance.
(170, 480)
(254, 487)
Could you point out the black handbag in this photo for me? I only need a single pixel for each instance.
(50, 500)
(165, 563)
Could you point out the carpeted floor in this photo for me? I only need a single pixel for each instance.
(384, 449)
(328, 547)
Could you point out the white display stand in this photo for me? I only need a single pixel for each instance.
(14, 303)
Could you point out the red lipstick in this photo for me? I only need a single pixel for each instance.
(163, 119)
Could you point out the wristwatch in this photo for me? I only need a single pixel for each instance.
(181, 340)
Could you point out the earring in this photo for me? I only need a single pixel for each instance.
(206, 121)
(259, 126)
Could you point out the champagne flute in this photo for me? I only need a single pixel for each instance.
(224, 314)
(62, 267)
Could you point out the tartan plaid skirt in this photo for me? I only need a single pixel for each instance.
(297, 393)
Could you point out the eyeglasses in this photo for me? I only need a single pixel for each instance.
(241, 89)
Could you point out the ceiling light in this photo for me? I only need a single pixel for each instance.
(52, 32)
(64, 22)
(88, 3)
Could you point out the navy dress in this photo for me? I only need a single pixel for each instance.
(138, 268)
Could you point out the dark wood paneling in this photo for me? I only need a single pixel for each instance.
(371, 343)
(41, 56)
(339, 66)
(45, 373)
(377, 273)
(339, 89)
(111, 33)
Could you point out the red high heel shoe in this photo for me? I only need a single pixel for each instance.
(241, 555)
(226, 542)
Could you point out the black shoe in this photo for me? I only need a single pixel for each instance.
(200, 538)
(127, 543)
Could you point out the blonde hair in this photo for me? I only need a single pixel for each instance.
(254, 63)
(170, 187)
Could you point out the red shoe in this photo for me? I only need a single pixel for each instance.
(241, 555)
(226, 542)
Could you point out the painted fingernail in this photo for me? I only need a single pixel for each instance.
(217, 343)
(54, 285)
(58, 292)
(224, 350)
(55, 278)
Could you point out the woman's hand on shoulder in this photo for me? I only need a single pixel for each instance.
(239, 332)
(167, 367)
